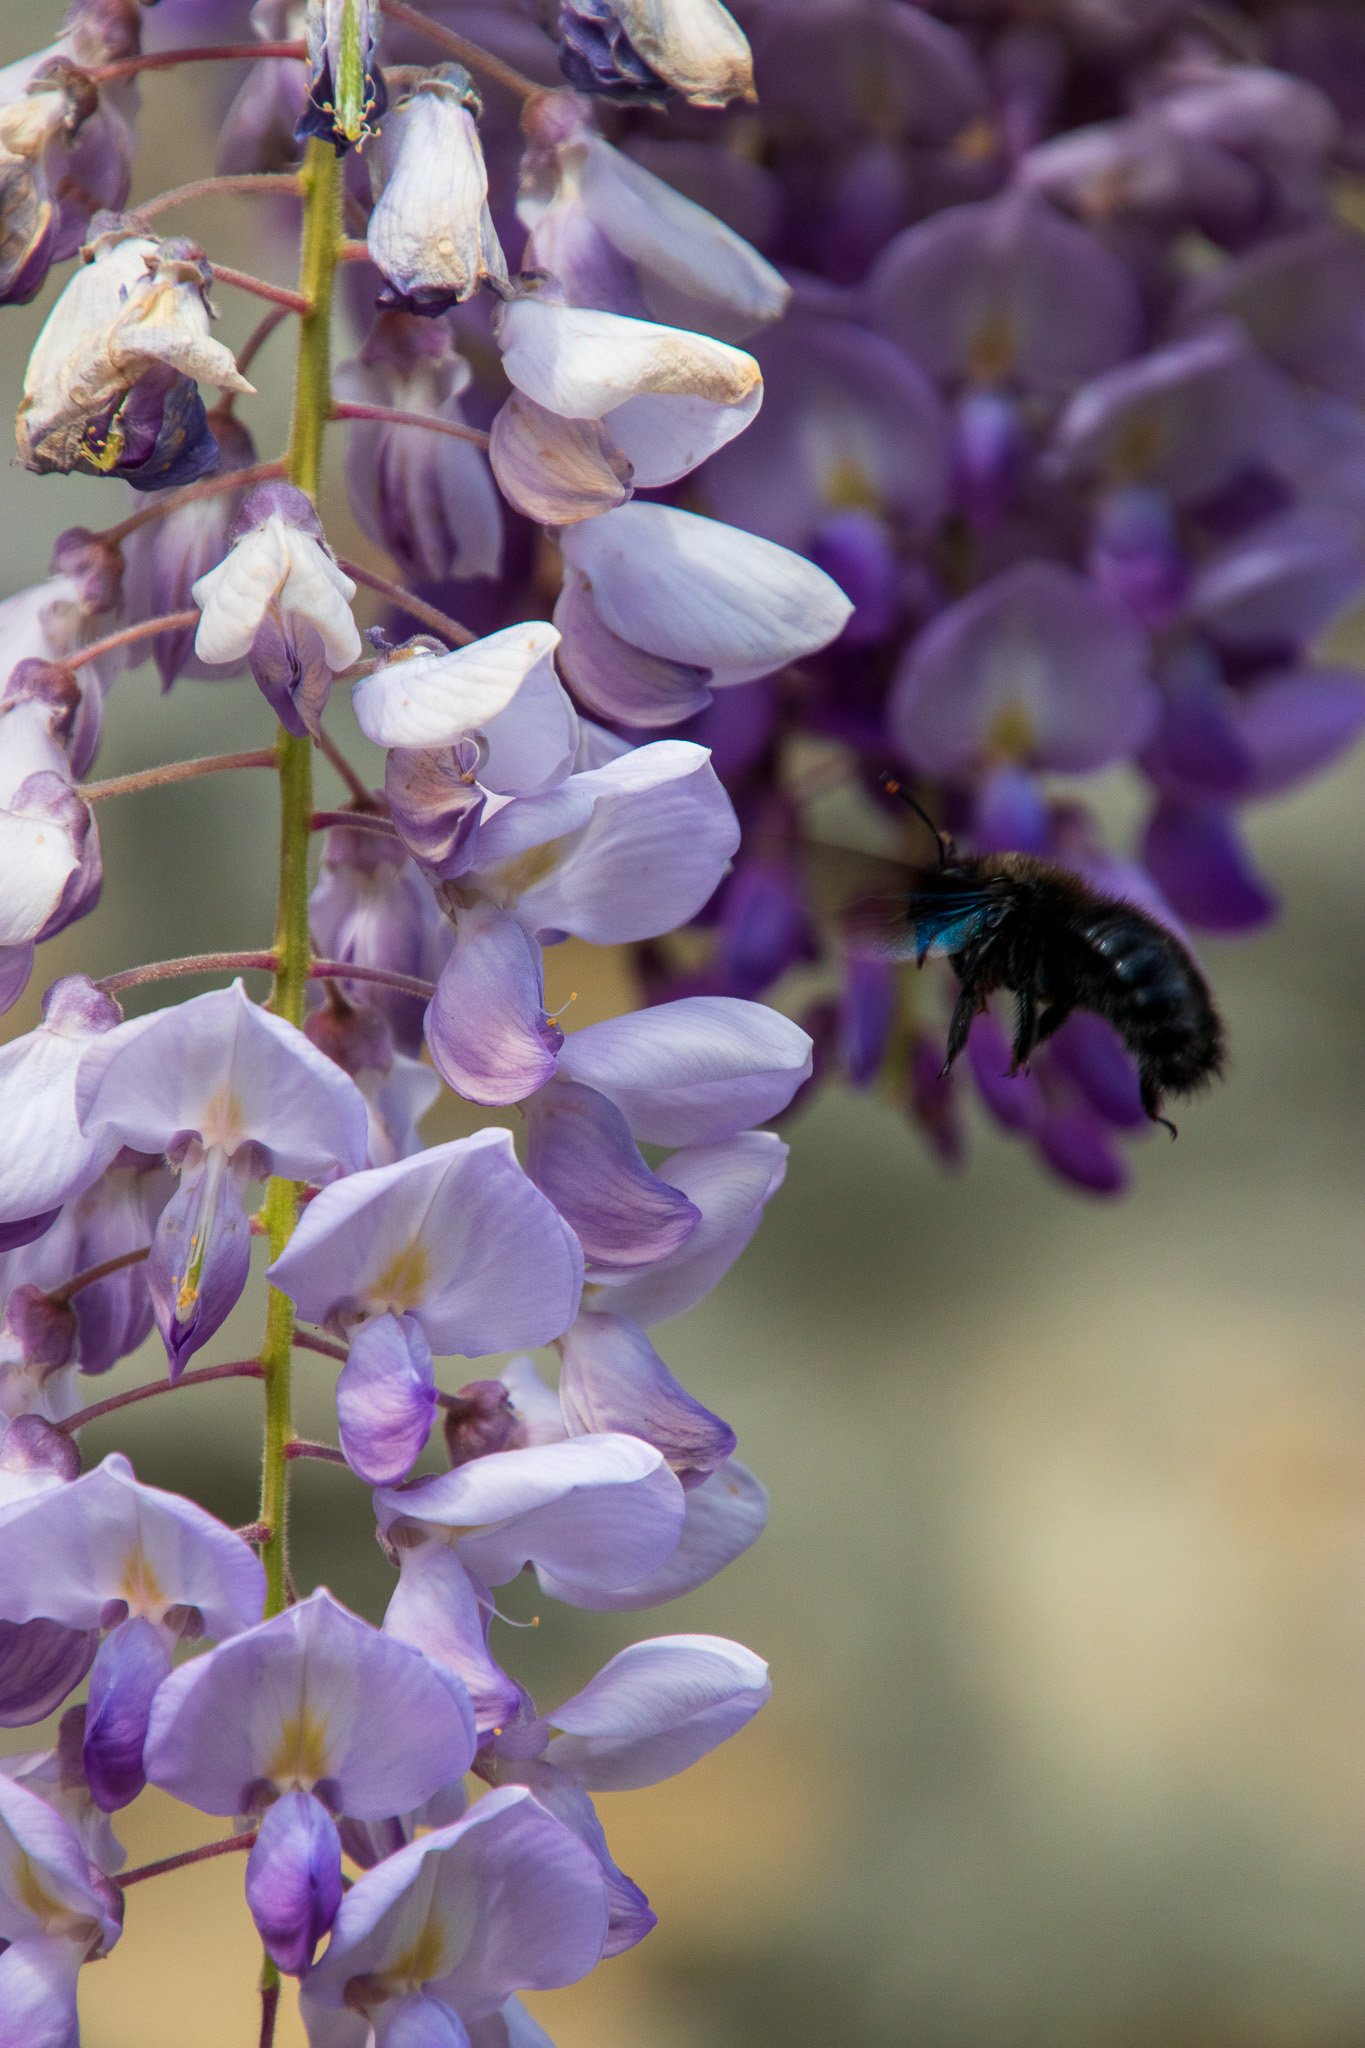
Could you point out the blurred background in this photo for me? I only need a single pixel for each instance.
(1064, 1585)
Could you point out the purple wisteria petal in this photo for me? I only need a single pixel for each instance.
(437, 1608)
(1035, 666)
(629, 1915)
(201, 1259)
(427, 498)
(431, 236)
(615, 679)
(40, 1663)
(591, 1515)
(432, 699)
(692, 1071)
(131, 1663)
(308, 1702)
(487, 1029)
(581, 1154)
(1298, 724)
(293, 1879)
(612, 233)
(612, 1378)
(725, 1515)
(1301, 298)
(1284, 583)
(506, 1899)
(656, 1708)
(221, 1067)
(38, 1992)
(45, 1156)
(1189, 417)
(372, 906)
(1006, 292)
(1091, 1053)
(106, 1543)
(657, 832)
(730, 1184)
(386, 1399)
(691, 590)
(555, 470)
(436, 806)
(48, 1887)
(883, 439)
(510, 2027)
(457, 1236)
(1080, 1147)
(1197, 857)
(1015, 1100)
(165, 560)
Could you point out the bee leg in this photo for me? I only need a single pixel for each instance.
(964, 1010)
(1026, 1032)
(1151, 1102)
(1052, 1019)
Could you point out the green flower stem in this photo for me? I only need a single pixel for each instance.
(321, 184)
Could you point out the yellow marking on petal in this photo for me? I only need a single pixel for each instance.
(302, 1754)
(849, 488)
(1138, 448)
(224, 1121)
(33, 1894)
(140, 1586)
(403, 1282)
(426, 1957)
(1012, 736)
(516, 876)
(992, 349)
(977, 143)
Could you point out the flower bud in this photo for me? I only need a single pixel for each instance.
(345, 86)
(646, 52)
(280, 601)
(431, 234)
(111, 384)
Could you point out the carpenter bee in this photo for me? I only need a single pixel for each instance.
(1010, 921)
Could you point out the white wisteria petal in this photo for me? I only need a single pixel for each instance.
(670, 397)
(431, 234)
(694, 590)
(696, 46)
(433, 699)
(275, 565)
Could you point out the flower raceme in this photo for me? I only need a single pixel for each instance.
(507, 820)
(1016, 493)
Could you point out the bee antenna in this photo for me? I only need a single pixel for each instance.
(893, 786)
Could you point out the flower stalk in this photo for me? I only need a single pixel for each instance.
(312, 406)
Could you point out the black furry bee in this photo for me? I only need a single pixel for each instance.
(1010, 921)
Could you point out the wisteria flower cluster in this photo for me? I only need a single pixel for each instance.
(519, 805)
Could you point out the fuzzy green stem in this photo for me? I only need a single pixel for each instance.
(312, 408)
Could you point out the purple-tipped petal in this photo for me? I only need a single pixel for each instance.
(41, 1662)
(131, 1663)
(615, 679)
(654, 1709)
(437, 1608)
(487, 1028)
(1005, 292)
(612, 1378)
(308, 1702)
(1200, 863)
(1296, 725)
(1036, 666)
(730, 1184)
(629, 1914)
(457, 1235)
(591, 1515)
(581, 1154)
(725, 1515)
(1079, 1146)
(510, 1900)
(293, 1879)
(201, 1259)
(1090, 1051)
(693, 1071)
(386, 1399)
